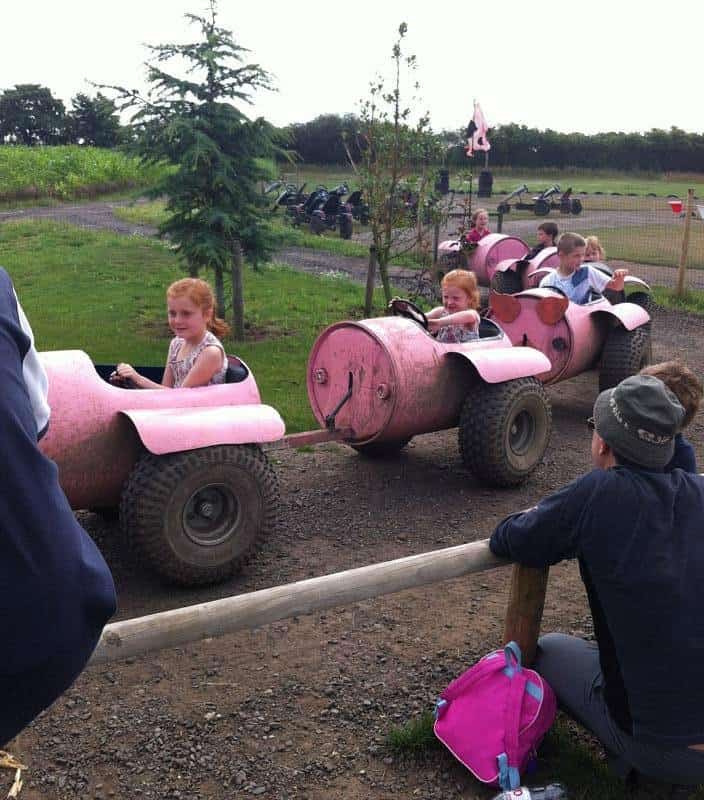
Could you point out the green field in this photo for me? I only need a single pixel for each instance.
(68, 172)
(105, 294)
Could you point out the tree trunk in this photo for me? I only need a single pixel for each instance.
(219, 292)
(237, 294)
(371, 275)
(192, 270)
(384, 273)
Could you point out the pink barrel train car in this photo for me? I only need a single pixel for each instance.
(386, 380)
(194, 489)
(499, 261)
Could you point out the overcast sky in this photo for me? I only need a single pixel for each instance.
(590, 66)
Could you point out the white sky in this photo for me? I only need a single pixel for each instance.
(572, 66)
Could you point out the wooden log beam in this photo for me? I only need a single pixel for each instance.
(170, 628)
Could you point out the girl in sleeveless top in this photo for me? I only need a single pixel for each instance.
(457, 319)
(196, 356)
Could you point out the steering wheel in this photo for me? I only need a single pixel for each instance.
(409, 310)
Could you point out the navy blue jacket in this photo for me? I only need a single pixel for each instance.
(639, 538)
(56, 591)
(684, 457)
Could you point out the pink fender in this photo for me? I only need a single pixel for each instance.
(93, 444)
(630, 315)
(173, 430)
(631, 282)
(545, 261)
(496, 366)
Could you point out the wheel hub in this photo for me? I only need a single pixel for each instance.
(211, 515)
(521, 432)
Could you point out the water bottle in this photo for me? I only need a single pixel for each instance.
(555, 791)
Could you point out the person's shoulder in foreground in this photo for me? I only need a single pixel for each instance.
(55, 588)
(635, 424)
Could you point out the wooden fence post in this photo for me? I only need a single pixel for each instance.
(525, 608)
(371, 275)
(685, 243)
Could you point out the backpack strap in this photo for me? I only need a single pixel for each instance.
(509, 776)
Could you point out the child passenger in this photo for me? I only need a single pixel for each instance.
(547, 236)
(457, 319)
(688, 389)
(196, 356)
(480, 226)
(576, 279)
(594, 251)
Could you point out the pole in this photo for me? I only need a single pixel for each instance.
(134, 637)
(685, 243)
(371, 274)
(525, 608)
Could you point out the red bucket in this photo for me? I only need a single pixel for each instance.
(676, 206)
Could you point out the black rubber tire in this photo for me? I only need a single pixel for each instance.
(106, 513)
(643, 299)
(503, 208)
(189, 548)
(541, 208)
(576, 206)
(381, 449)
(346, 228)
(625, 353)
(508, 282)
(504, 430)
(317, 226)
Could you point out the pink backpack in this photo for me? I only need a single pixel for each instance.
(494, 716)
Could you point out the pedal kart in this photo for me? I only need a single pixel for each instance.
(541, 204)
(387, 379)
(196, 494)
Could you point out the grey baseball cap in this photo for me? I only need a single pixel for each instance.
(639, 419)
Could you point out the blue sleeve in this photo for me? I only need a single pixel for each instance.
(56, 591)
(684, 457)
(547, 533)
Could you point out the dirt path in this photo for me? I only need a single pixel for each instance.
(302, 708)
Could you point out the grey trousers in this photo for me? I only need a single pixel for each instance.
(571, 666)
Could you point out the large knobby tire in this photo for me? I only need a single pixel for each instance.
(507, 282)
(625, 353)
(504, 430)
(317, 226)
(643, 299)
(576, 206)
(195, 517)
(346, 228)
(382, 449)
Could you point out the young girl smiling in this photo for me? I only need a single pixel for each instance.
(457, 319)
(196, 356)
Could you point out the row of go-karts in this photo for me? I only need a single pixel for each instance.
(550, 199)
(322, 209)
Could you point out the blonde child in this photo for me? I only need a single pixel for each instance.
(457, 319)
(196, 356)
(593, 250)
(480, 226)
(576, 279)
(688, 389)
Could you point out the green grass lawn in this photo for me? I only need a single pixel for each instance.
(105, 294)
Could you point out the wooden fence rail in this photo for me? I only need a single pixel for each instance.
(215, 618)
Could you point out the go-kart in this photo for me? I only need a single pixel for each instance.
(333, 213)
(541, 204)
(196, 494)
(387, 379)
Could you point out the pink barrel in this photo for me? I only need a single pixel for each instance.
(491, 250)
(571, 340)
(400, 386)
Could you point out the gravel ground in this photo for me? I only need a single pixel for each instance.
(302, 708)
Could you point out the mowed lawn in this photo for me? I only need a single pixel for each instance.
(105, 294)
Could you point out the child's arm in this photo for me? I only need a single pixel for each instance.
(616, 283)
(126, 372)
(470, 318)
(436, 312)
(206, 365)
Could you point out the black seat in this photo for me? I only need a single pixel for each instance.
(488, 329)
(236, 370)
